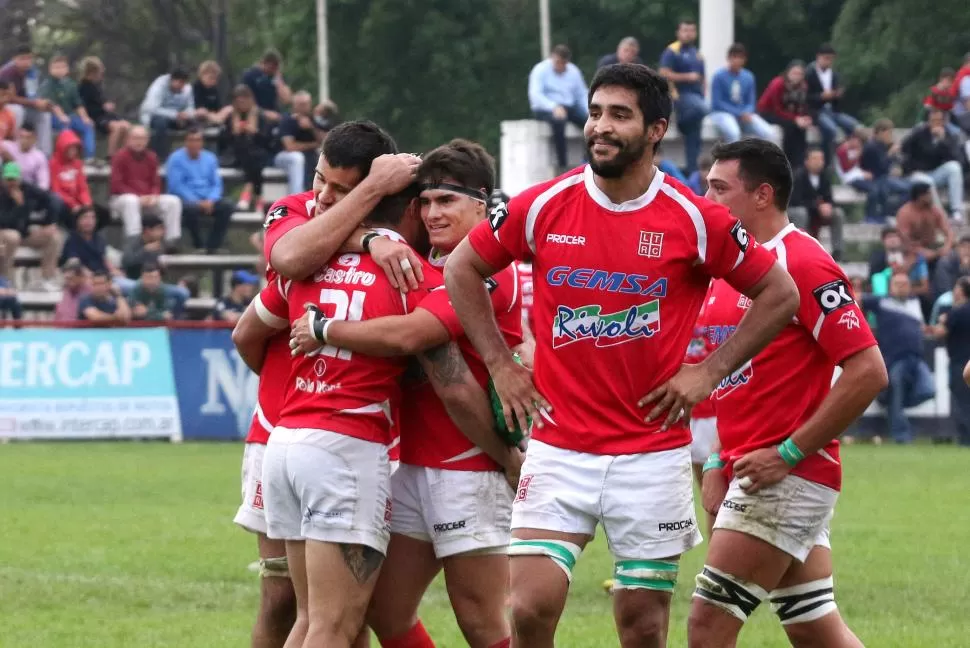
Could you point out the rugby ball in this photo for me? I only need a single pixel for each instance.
(511, 437)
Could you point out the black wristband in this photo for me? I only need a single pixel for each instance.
(366, 239)
(317, 324)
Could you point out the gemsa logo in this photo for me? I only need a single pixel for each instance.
(737, 379)
(607, 329)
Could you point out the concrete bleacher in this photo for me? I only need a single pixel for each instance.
(41, 305)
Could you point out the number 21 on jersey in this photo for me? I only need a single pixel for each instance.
(345, 307)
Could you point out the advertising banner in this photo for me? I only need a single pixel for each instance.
(87, 384)
(216, 390)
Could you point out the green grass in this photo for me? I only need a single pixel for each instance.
(131, 544)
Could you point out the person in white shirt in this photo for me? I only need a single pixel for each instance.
(557, 94)
(825, 92)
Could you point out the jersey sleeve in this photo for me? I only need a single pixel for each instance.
(271, 305)
(437, 303)
(828, 309)
(728, 252)
(281, 218)
(501, 239)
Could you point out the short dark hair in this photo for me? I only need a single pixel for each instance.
(179, 73)
(562, 51)
(919, 190)
(947, 72)
(686, 20)
(825, 48)
(882, 125)
(963, 239)
(759, 162)
(888, 231)
(737, 49)
(813, 149)
(23, 50)
(465, 162)
(963, 283)
(6, 85)
(58, 58)
(271, 56)
(151, 267)
(150, 221)
(242, 90)
(653, 91)
(355, 144)
(102, 274)
(194, 130)
(391, 209)
(29, 127)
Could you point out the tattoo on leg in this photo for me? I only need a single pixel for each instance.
(362, 561)
(447, 364)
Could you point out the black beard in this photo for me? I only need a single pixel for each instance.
(626, 156)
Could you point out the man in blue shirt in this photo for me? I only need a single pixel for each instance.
(558, 94)
(682, 65)
(900, 331)
(193, 176)
(104, 304)
(628, 51)
(265, 79)
(733, 99)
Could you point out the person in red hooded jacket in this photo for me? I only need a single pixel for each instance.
(68, 183)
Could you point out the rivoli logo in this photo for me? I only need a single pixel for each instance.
(737, 379)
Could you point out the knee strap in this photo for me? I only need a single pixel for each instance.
(274, 567)
(563, 553)
(736, 597)
(658, 575)
(805, 602)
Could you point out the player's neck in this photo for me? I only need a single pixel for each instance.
(768, 225)
(631, 185)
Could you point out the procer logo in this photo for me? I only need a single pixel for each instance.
(449, 526)
(566, 239)
(675, 526)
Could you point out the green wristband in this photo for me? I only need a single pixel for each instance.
(790, 453)
(713, 462)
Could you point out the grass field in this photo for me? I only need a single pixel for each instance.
(130, 544)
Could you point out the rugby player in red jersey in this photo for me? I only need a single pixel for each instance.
(775, 482)
(451, 505)
(622, 257)
(352, 148)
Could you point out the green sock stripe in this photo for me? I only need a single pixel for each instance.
(647, 583)
(656, 565)
(562, 555)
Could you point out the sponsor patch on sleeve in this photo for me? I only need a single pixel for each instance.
(497, 215)
(275, 215)
(740, 236)
(832, 296)
(491, 284)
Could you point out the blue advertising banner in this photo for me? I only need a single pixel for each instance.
(216, 390)
(86, 383)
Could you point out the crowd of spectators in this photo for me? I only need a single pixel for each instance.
(49, 125)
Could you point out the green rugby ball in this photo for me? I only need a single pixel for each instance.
(511, 437)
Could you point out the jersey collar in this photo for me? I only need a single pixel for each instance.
(437, 258)
(603, 201)
(391, 234)
(785, 231)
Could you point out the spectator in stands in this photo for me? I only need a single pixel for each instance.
(897, 256)
(231, 308)
(210, 105)
(825, 92)
(10, 307)
(923, 225)
(149, 301)
(941, 98)
(326, 117)
(733, 99)
(26, 217)
(785, 103)
(811, 206)
(168, 105)
(102, 112)
(301, 144)
(882, 187)
(247, 133)
(66, 106)
(87, 246)
(558, 94)
(32, 161)
(848, 154)
(75, 288)
(961, 95)
(193, 176)
(951, 267)
(136, 189)
(26, 107)
(682, 64)
(698, 179)
(265, 79)
(104, 304)
(146, 248)
(932, 155)
(628, 51)
(668, 167)
(954, 329)
(69, 185)
(8, 121)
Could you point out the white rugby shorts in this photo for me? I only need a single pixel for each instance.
(645, 502)
(251, 514)
(457, 511)
(704, 433)
(329, 487)
(793, 515)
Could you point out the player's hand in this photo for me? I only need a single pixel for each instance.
(392, 173)
(679, 395)
(759, 469)
(513, 467)
(527, 352)
(519, 396)
(714, 487)
(301, 336)
(400, 263)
